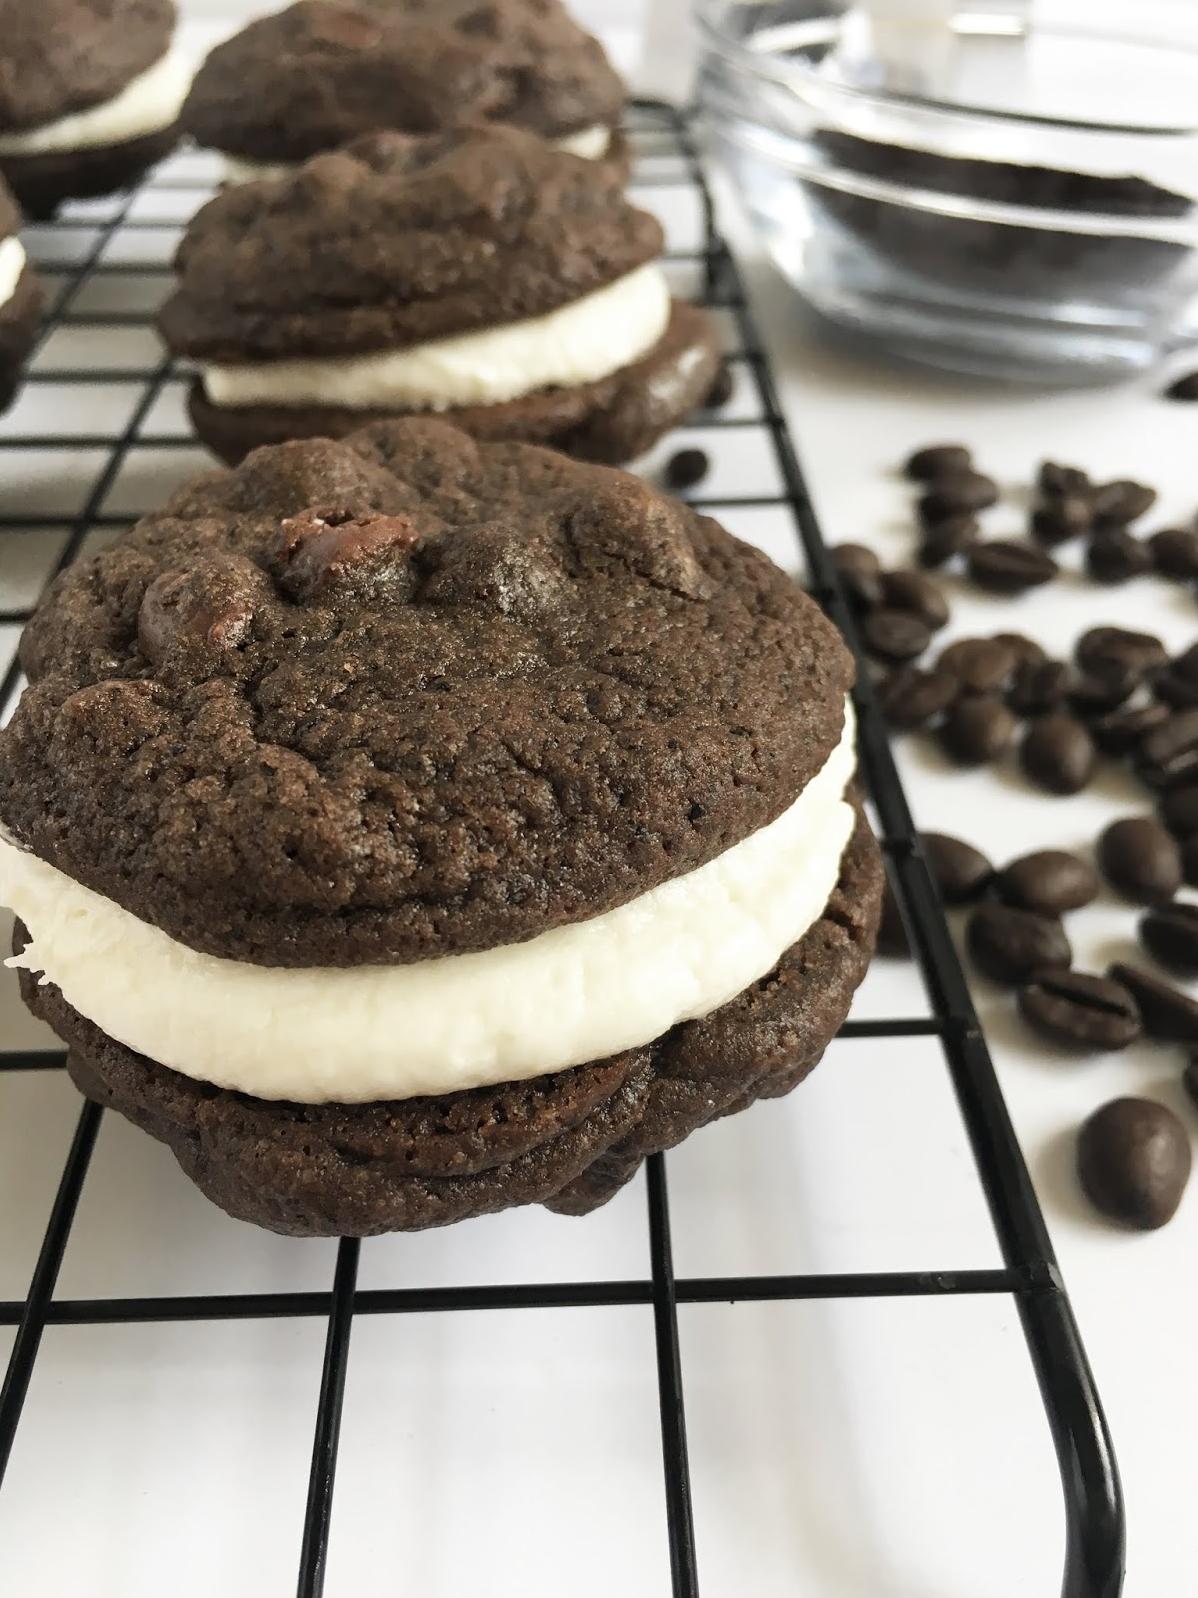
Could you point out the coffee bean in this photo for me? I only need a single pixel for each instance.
(1086, 1012)
(892, 934)
(960, 871)
(1170, 934)
(685, 468)
(722, 389)
(1133, 1160)
(1174, 552)
(1122, 501)
(1141, 860)
(948, 537)
(860, 573)
(1186, 664)
(1003, 567)
(1061, 518)
(1058, 753)
(977, 728)
(1116, 556)
(1189, 861)
(949, 496)
(1184, 388)
(1180, 693)
(1012, 946)
(1168, 1014)
(911, 698)
(1104, 649)
(1056, 479)
(1037, 688)
(938, 460)
(1179, 809)
(1168, 756)
(895, 634)
(912, 591)
(1120, 731)
(980, 665)
(1094, 693)
(1050, 881)
(1027, 651)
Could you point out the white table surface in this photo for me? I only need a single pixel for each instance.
(873, 1449)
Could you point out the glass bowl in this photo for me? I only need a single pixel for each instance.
(1014, 201)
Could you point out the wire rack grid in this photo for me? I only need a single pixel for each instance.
(81, 311)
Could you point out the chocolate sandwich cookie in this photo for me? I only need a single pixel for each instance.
(90, 93)
(324, 72)
(403, 827)
(479, 273)
(20, 300)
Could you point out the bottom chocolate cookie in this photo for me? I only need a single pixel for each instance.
(610, 421)
(42, 182)
(20, 319)
(569, 1140)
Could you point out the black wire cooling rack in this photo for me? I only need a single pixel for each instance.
(1029, 1275)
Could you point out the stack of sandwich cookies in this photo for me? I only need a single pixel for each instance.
(90, 94)
(404, 828)
(322, 73)
(478, 273)
(20, 300)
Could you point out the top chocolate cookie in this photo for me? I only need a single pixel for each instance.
(399, 240)
(405, 696)
(62, 56)
(320, 73)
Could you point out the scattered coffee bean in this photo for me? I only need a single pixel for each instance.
(1140, 860)
(961, 872)
(949, 496)
(1026, 650)
(1037, 688)
(912, 591)
(1168, 755)
(980, 665)
(1179, 692)
(948, 537)
(1050, 881)
(1174, 552)
(1104, 649)
(1053, 478)
(895, 635)
(1061, 518)
(977, 728)
(685, 468)
(722, 389)
(1133, 1160)
(860, 573)
(1119, 731)
(1094, 693)
(938, 460)
(892, 934)
(1122, 501)
(1058, 753)
(1086, 1012)
(1184, 388)
(1003, 567)
(1179, 808)
(1013, 946)
(1168, 1014)
(1170, 934)
(1116, 556)
(1189, 861)
(911, 698)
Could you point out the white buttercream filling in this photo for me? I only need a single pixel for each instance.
(576, 993)
(146, 104)
(578, 343)
(592, 143)
(12, 264)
